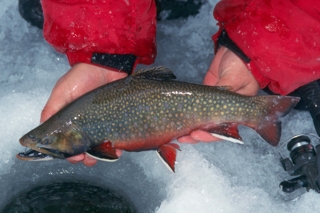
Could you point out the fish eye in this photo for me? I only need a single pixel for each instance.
(45, 141)
(32, 137)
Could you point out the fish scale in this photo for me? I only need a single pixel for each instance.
(146, 111)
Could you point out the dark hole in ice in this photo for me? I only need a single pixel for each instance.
(69, 197)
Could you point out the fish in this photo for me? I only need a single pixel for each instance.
(148, 110)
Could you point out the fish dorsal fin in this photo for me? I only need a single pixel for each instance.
(168, 154)
(155, 73)
(103, 152)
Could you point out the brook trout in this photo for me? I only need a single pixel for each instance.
(146, 111)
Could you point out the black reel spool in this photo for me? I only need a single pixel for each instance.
(304, 163)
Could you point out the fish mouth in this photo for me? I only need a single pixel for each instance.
(39, 154)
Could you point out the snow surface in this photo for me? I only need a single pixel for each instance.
(210, 177)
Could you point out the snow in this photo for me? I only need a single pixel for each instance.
(209, 177)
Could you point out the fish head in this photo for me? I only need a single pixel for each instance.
(47, 143)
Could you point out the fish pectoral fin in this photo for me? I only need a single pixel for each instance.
(155, 73)
(103, 152)
(168, 154)
(228, 130)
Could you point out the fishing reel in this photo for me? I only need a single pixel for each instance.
(304, 163)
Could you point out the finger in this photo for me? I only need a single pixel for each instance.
(89, 161)
(187, 139)
(249, 89)
(76, 159)
(203, 136)
(213, 75)
(231, 70)
(118, 152)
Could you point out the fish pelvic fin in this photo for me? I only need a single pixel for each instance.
(103, 152)
(159, 73)
(168, 154)
(276, 107)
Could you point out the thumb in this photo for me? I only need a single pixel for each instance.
(233, 72)
(213, 75)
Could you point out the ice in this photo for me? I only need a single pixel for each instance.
(209, 177)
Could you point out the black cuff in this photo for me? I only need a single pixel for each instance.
(224, 40)
(122, 62)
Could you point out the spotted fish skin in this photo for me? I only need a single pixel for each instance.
(149, 109)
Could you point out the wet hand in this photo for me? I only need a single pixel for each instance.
(80, 79)
(226, 69)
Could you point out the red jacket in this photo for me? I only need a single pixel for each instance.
(281, 37)
(80, 28)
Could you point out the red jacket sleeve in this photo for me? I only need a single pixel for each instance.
(80, 28)
(281, 37)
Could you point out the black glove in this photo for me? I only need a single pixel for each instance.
(31, 11)
(310, 96)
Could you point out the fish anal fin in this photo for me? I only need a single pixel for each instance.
(226, 129)
(168, 154)
(103, 152)
(155, 73)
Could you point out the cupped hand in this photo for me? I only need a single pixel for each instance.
(226, 69)
(80, 79)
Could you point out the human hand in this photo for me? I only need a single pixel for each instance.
(226, 69)
(80, 79)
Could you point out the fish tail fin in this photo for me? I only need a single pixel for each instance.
(276, 107)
